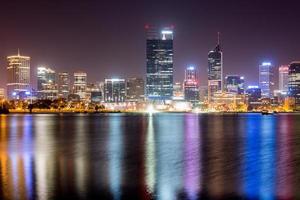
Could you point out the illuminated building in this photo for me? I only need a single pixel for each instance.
(93, 93)
(283, 78)
(227, 101)
(114, 90)
(63, 84)
(191, 85)
(18, 75)
(2, 93)
(46, 83)
(235, 84)
(266, 79)
(80, 83)
(135, 88)
(294, 83)
(203, 93)
(215, 70)
(253, 95)
(159, 78)
(178, 91)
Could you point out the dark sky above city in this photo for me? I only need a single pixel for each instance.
(107, 38)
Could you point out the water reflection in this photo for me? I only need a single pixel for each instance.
(141, 156)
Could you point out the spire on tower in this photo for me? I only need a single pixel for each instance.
(18, 52)
(218, 38)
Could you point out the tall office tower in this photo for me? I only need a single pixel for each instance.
(266, 79)
(215, 70)
(18, 76)
(178, 91)
(235, 84)
(63, 85)
(294, 83)
(253, 94)
(283, 78)
(191, 85)
(135, 89)
(46, 83)
(80, 83)
(159, 78)
(114, 90)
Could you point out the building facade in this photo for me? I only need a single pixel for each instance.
(215, 71)
(46, 83)
(266, 79)
(235, 84)
(18, 76)
(253, 94)
(135, 89)
(159, 78)
(80, 84)
(294, 83)
(191, 85)
(114, 90)
(63, 85)
(283, 78)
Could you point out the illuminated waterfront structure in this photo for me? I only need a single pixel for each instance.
(191, 85)
(46, 83)
(266, 79)
(114, 90)
(135, 89)
(294, 83)
(235, 84)
(80, 84)
(159, 78)
(283, 78)
(63, 84)
(215, 70)
(18, 75)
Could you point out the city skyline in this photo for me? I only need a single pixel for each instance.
(125, 53)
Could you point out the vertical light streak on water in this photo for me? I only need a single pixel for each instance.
(115, 153)
(251, 157)
(27, 155)
(284, 164)
(150, 156)
(192, 156)
(44, 156)
(81, 160)
(267, 158)
(169, 155)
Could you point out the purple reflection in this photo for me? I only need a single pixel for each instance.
(192, 156)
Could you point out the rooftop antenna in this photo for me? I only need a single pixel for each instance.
(218, 38)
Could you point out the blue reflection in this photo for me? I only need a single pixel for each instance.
(259, 158)
(115, 146)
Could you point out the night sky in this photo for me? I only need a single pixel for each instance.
(107, 38)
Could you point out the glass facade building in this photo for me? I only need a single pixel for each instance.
(80, 84)
(114, 90)
(266, 79)
(159, 78)
(283, 78)
(63, 84)
(135, 89)
(215, 71)
(294, 83)
(46, 83)
(191, 85)
(18, 75)
(235, 84)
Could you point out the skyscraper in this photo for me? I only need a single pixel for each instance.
(159, 78)
(235, 84)
(266, 79)
(46, 83)
(294, 83)
(80, 83)
(63, 84)
(135, 89)
(191, 85)
(114, 90)
(215, 70)
(18, 75)
(283, 78)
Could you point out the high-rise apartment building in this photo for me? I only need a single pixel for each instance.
(266, 79)
(283, 78)
(159, 78)
(80, 84)
(294, 83)
(114, 90)
(18, 76)
(46, 83)
(191, 85)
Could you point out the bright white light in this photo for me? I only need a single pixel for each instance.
(266, 64)
(191, 68)
(150, 109)
(242, 78)
(14, 94)
(166, 32)
(253, 87)
(27, 93)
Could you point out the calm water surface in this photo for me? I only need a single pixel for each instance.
(140, 156)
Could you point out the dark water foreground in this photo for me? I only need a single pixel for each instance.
(159, 156)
